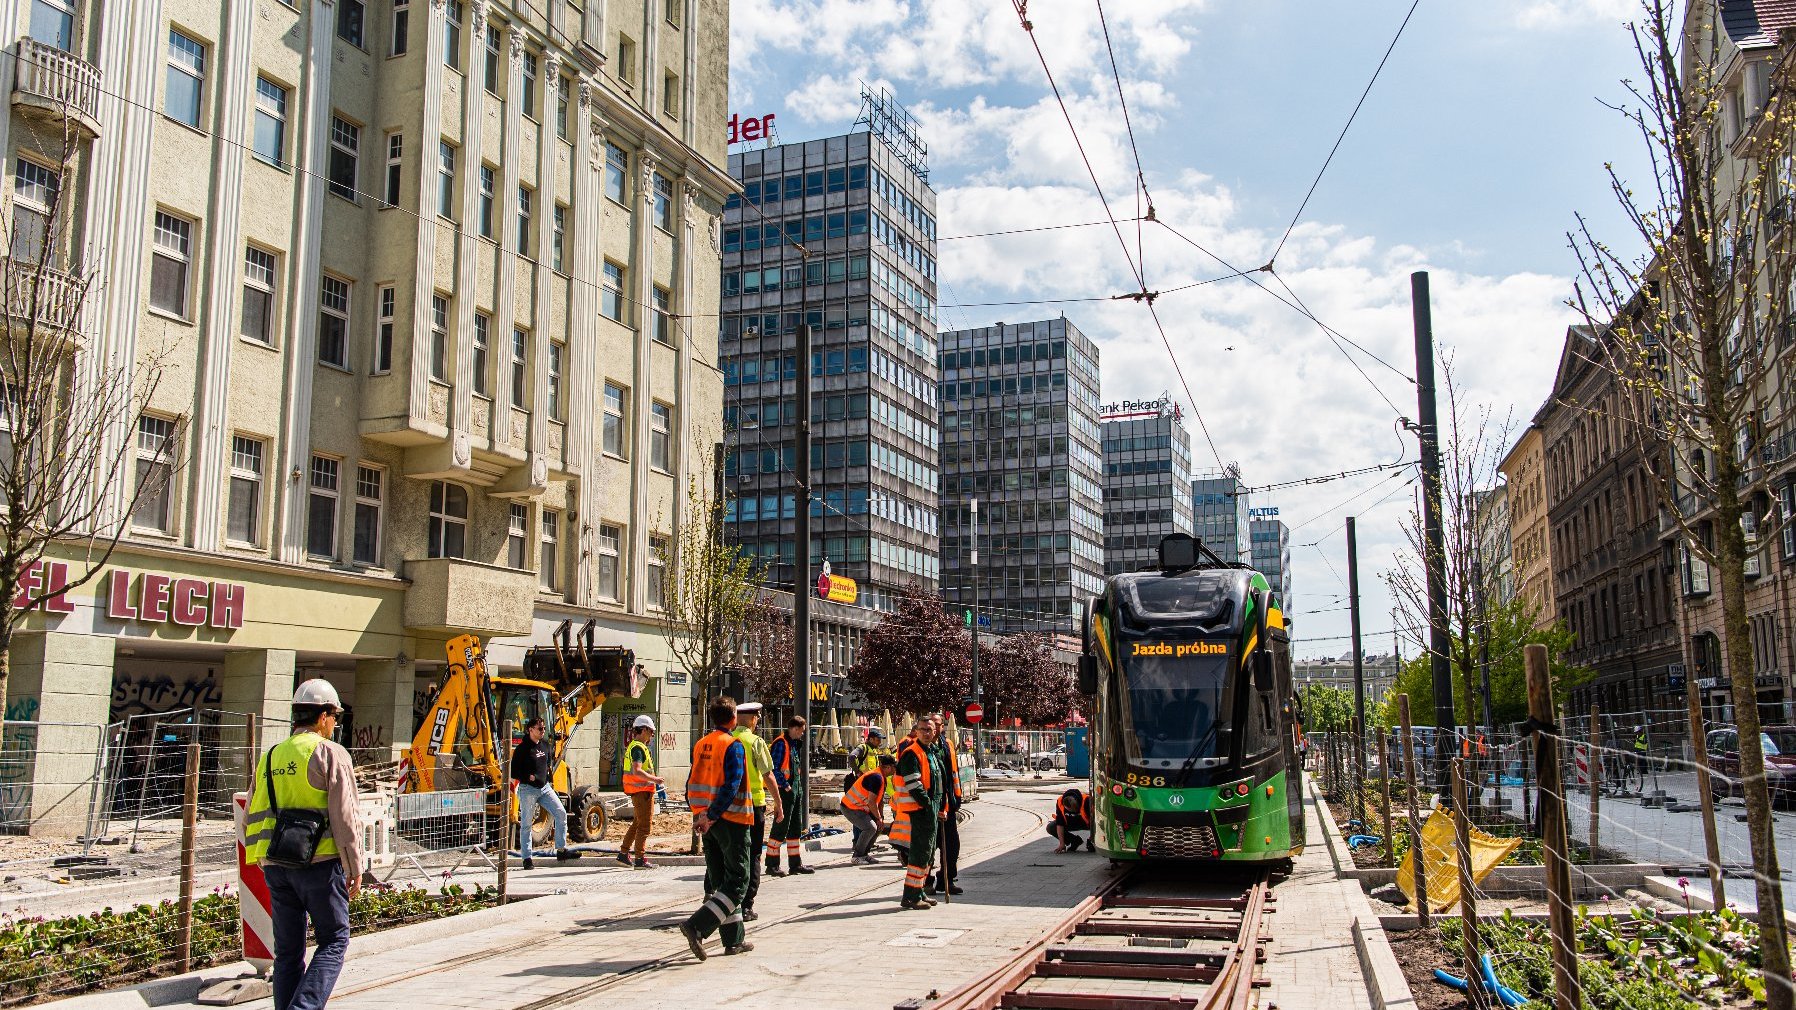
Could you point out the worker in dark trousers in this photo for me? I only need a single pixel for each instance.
(921, 802)
(761, 787)
(787, 832)
(948, 877)
(717, 792)
(1072, 814)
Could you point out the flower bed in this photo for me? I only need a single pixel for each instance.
(43, 959)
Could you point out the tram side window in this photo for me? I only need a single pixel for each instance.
(1262, 724)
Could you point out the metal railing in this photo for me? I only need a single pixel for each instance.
(58, 78)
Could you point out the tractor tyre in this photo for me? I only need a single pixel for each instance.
(587, 816)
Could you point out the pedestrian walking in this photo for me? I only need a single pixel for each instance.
(533, 768)
(303, 830)
(1072, 814)
(717, 792)
(640, 784)
(948, 877)
(863, 805)
(921, 803)
(761, 786)
(787, 831)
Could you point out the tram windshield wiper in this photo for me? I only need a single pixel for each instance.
(1198, 753)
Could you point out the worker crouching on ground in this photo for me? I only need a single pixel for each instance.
(921, 803)
(862, 805)
(640, 783)
(533, 766)
(717, 792)
(303, 830)
(761, 786)
(1072, 813)
(789, 773)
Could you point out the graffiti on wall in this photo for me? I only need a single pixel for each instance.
(368, 737)
(17, 745)
(140, 693)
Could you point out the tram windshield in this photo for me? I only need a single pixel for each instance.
(1177, 699)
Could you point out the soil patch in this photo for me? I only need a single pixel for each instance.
(1419, 952)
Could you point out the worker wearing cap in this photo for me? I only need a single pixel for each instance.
(308, 771)
(865, 758)
(863, 804)
(761, 788)
(640, 783)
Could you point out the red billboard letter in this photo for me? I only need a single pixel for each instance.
(227, 605)
(154, 597)
(118, 596)
(190, 603)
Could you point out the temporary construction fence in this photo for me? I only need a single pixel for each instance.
(442, 831)
(50, 776)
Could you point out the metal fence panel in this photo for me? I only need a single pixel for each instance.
(445, 829)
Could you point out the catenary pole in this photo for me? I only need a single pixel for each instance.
(801, 583)
(1434, 551)
(978, 735)
(1359, 671)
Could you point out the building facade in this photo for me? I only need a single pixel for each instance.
(1020, 435)
(1378, 672)
(1494, 554)
(1147, 481)
(405, 290)
(1271, 540)
(1220, 514)
(840, 234)
(1530, 543)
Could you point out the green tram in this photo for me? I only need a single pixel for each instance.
(1193, 723)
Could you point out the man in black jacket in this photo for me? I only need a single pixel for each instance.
(533, 768)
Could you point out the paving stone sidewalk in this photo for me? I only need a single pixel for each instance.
(1311, 962)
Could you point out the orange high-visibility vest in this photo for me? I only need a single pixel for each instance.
(859, 797)
(901, 832)
(953, 770)
(1069, 810)
(707, 778)
(901, 800)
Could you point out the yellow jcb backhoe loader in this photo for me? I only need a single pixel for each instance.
(458, 743)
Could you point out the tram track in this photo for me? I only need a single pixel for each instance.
(673, 952)
(1138, 943)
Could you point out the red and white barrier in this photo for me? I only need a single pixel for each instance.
(255, 911)
(1581, 765)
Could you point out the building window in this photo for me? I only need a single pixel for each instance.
(452, 35)
(609, 539)
(270, 140)
(626, 59)
(663, 202)
(526, 199)
(439, 338)
(402, 24)
(155, 463)
(611, 298)
(170, 263)
(663, 318)
(657, 574)
(614, 420)
(660, 436)
(517, 537)
(53, 23)
(561, 106)
(670, 94)
(528, 100)
(448, 532)
(346, 144)
(520, 365)
(244, 513)
(556, 350)
(485, 220)
(559, 241)
(482, 331)
(548, 568)
(368, 499)
(258, 295)
(333, 323)
(186, 83)
(383, 331)
(673, 12)
(617, 172)
(350, 15)
(321, 508)
(446, 180)
(34, 192)
(494, 45)
(395, 162)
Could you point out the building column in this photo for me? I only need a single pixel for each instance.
(63, 683)
(383, 705)
(545, 275)
(467, 274)
(426, 151)
(643, 379)
(260, 682)
(509, 261)
(584, 457)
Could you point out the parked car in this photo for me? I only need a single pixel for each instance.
(1048, 760)
(1779, 745)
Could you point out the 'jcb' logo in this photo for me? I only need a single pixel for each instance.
(438, 729)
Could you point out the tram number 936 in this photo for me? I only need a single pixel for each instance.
(1145, 780)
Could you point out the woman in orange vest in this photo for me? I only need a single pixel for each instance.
(861, 805)
(717, 792)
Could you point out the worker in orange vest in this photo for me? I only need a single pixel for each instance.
(948, 878)
(863, 805)
(1072, 813)
(921, 804)
(717, 792)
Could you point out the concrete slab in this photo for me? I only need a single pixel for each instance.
(1312, 962)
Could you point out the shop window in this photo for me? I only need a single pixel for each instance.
(448, 533)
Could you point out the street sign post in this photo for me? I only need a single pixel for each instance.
(973, 712)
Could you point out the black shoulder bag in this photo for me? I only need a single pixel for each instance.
(297, 832)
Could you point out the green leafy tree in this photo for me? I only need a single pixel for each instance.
(917, 659)
(1327, 709)
(1512, 627)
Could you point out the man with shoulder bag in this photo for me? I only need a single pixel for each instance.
(303, 830)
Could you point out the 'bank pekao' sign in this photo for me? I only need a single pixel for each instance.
(1163, 407)
(161, 599)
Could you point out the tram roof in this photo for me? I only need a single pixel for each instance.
(1202, 595)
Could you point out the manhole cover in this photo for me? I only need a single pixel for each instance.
(926, 938)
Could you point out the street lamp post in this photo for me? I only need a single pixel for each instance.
(978, 737)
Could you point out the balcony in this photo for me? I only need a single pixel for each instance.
(54, 84)
(45, 295)
(454, 595)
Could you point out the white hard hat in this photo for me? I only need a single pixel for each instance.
(317, 691)
(643, 722)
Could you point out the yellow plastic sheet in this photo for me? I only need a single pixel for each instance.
(1440, 862)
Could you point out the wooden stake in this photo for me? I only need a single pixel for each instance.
(1551, 802)
(1705, 791)
(1596, 773)
(1416, 848)
(190, 815)
(1384, 775)
(1468, 898)
(505, 801)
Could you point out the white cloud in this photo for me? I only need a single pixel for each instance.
(1551, 15)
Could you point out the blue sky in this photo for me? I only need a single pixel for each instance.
(1481, 140)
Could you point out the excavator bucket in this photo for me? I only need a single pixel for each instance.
(610, 670)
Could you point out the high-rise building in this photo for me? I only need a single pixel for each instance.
(1271, 540)
(403, 291)
(1020, 434)
(1219, 513)
(840, 234)
(1147, 481)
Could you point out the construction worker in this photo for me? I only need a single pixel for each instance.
(1072, 813)
(863, 804)
(899, 837)
(761, 786)
(865, 758)
(717, 792)
(533, 768)
(921, 802)
(307, 772)
(640, 784)
(788, 829)
(948, 878)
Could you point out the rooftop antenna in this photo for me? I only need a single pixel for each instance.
(885, 118)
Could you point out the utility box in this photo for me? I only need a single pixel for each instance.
(1078, 753)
